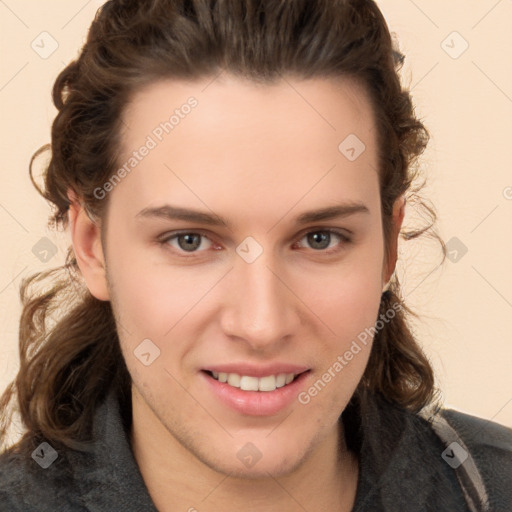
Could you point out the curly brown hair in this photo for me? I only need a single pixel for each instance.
(66, 368)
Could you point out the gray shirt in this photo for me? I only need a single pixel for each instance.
(404, 466)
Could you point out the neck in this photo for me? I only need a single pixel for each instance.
(177, 480)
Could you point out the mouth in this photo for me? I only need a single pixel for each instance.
(265, 383)
(264, 395)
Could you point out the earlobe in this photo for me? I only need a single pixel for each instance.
(398, 214)
(87, 246)
(398, 217)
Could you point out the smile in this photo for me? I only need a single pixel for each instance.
(249, 383)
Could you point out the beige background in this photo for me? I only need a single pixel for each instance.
(465, 99)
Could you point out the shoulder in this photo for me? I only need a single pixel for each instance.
(489, 445)
(483, 435)
(97, 473)
(38, 480)
(413, 460)
(13, 484)
(486, 438)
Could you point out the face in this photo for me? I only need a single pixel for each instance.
(219, 268)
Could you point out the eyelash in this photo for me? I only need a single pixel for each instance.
(345, 239)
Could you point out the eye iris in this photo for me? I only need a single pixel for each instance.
(190, 238)
(320, 237)
(318, 240)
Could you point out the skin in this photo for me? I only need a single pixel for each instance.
(257, 156)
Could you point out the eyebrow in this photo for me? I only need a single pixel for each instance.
(170, 212)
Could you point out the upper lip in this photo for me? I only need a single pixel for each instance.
(254, 370)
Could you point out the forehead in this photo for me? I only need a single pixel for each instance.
(225, 103)
(224, 138)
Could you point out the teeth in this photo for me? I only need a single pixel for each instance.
(234, 380)
(281, 380)
(267, 383)
(248, 383)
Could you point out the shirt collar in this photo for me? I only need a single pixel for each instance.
(107, 473)
(385, 437)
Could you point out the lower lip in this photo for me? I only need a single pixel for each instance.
(256, 403)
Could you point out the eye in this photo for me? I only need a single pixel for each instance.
(320, 240)
(186, 241)
(191, 241)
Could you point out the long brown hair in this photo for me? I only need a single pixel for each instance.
(68, 342)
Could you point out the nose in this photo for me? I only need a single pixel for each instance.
(262, 309)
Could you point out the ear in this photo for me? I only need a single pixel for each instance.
(398, 217)
(87, 246)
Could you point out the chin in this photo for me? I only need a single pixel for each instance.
(256, 459)
(262, 469)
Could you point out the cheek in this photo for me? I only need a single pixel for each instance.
(349, 307)
(152, 296)
(346, 297)
(354, 305)
(350, 312)
(347, 302)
